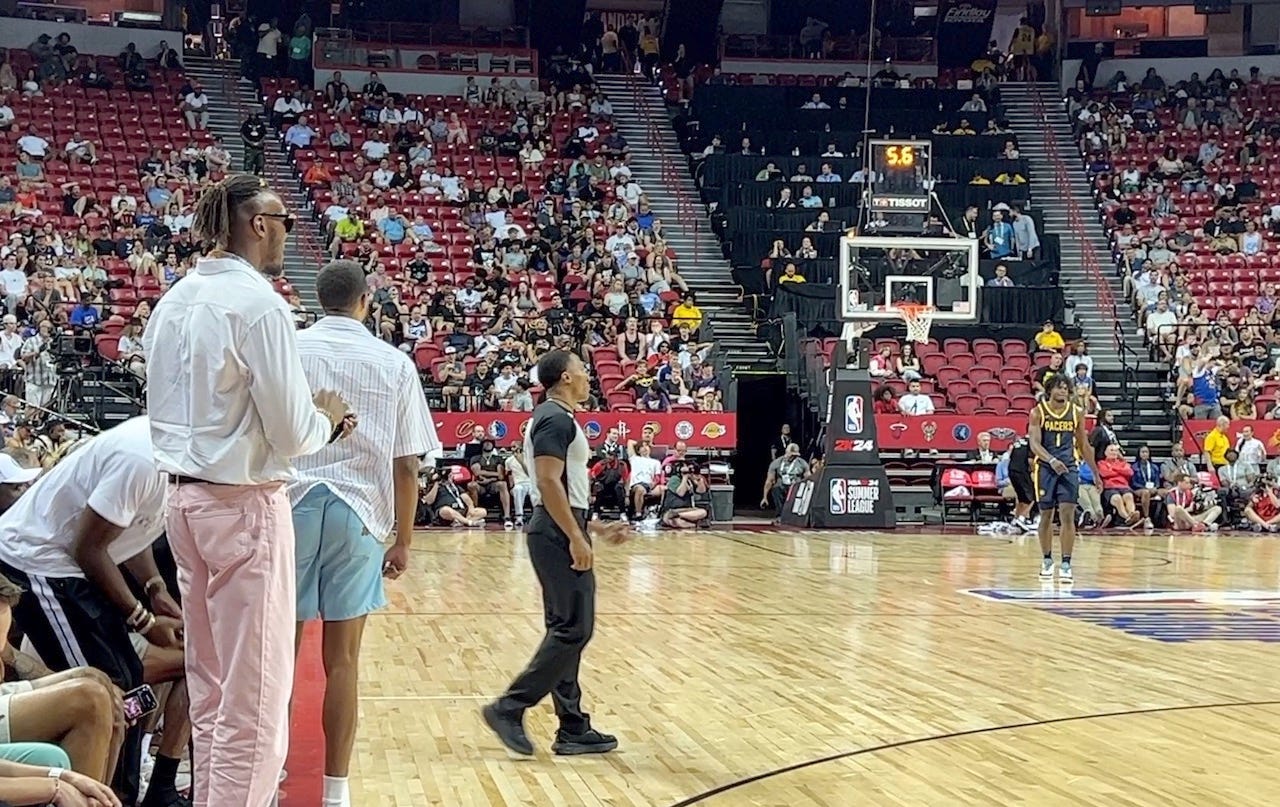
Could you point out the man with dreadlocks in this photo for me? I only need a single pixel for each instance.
(230, 408)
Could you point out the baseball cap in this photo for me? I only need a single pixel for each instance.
(11, 473)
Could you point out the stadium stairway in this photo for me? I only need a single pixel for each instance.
(640, 115)
(231, 101)
(1131, 384)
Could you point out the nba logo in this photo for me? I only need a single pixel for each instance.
(853, 414)
(838, 495)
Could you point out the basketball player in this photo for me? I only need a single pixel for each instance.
(349, 495)
(561, 551)
(230, 409)
(1058, 440)
(1022, 483)
(62, 541)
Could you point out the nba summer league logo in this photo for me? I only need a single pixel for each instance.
(1163, 615)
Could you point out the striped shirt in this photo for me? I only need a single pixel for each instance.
(381, 386)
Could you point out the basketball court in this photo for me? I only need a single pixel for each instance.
(790, 668)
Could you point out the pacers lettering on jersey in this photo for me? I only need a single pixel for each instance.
(1059, 431)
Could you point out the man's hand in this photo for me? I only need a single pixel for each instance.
(332, 405)
(612, 532)
(580, 549)
(349, 424)
(764, 503)
(163, 604)
(395, 561)
(166, 632)
(90, 788)
(1058, 466)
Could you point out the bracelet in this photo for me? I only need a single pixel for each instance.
(57, 791)
(148, 625)
(156, 583)
(139, 615)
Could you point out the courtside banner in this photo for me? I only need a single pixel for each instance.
(703, 430)
(1268, 431)
(955, 432)
(964, 29)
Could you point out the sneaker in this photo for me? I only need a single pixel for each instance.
(1106, 522)
(508, 525)
(1147, 525)
(588, 742)
(509, 728)
(1046, 569)
(622, 517)
(519, 523)
(1064, 573)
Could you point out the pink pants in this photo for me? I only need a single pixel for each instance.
(235, 553)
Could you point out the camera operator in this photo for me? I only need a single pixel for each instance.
(679, 511)
(1263, 508)
(1237, 479)
(446, 504)
(609, 477)
(1190, 507)
(784, 472)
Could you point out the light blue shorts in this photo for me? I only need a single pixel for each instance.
(339, 562)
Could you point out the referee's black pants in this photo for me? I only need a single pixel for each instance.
(569, 609)
(71, 624)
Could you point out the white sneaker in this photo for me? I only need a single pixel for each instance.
(1065, 577)
(508, 525)
(1147, 525)
(1046, 569)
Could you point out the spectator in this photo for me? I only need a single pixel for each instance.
(885, 402)
(915, 402)
(1217, 444)
(644, 478)
(1185, 508)
(1048, 338)
(299, 67)
(195, 108)
(998, 238)
(33, 145)
(269, 38)
(1117, 489)
(253, 132)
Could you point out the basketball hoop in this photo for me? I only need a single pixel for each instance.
(919, 318)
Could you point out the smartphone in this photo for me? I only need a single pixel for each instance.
(138, 703)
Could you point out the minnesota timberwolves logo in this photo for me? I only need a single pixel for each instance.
(961, 432)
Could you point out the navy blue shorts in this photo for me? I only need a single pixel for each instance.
(1053, 489)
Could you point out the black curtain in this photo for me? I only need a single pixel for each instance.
(694, 24)
(555, 24)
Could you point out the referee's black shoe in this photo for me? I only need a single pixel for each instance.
(509, 728)
(588, 742)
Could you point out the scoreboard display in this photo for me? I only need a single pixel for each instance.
(902, 172)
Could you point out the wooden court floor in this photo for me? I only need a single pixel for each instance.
(802, 668)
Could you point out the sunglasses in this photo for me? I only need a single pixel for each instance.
(286, 219)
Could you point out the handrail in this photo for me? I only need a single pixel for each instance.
(671, 171)
(439, 34)
(1106, 299)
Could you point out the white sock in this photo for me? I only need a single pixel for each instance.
(336, 792)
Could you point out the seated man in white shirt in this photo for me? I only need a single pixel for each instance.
(375, 148)
(195, 108)
(1162, 328)
(64, 541)
(80, 150)
(33, 144)
(915, 402)
(383, 175)
(645, 471)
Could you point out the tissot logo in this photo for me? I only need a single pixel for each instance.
(900, 202)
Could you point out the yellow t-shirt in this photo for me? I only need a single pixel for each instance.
(1050, 341)
(1216, 445)
(689, 315)
(796, 278)
(349, 230)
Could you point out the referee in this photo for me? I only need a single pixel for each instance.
(561, 552)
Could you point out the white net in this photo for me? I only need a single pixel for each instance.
(918, 318)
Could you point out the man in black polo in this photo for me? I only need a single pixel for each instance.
(561, 551)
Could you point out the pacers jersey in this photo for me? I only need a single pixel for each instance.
(1058, 431)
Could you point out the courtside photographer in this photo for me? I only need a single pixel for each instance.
(684, 501)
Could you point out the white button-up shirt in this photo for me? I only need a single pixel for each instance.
(381, 384)
(225, 390)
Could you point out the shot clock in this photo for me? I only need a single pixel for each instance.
(902, 171)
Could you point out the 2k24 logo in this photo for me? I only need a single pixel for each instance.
(855, 445)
